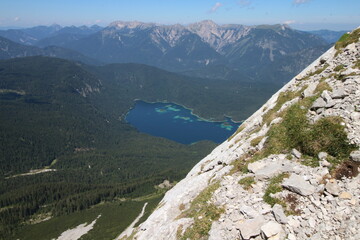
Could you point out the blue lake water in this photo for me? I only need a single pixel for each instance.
(177, 123)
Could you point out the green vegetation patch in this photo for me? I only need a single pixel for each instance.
(322, 86)
(318, 71)
(295, 131)
(357, 64)
(246, 182)
(241, 165)
(347, 39)
(339, 67)
(282, 98)
(203, 212)
(275, 187)
(256, 141)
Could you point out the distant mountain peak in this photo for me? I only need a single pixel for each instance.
(131, 25)
(275, 27)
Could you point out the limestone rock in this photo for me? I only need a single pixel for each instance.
(319, 103)
(326, 96)
(339, 93)
(332, 188)
(256, 166)
(272, 230)
(345, 195)
(269, 171)
(322, 155)
(279, 214)
(355, 156)
(309, 91)
(251, 228)
(297, 184)
(249, 212)
(325, 163)
(296, 153)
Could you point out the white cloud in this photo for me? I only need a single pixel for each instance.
(299, 2)
(216, 7)
(245, 3)
(288, 22)
(16, 19)
(98, 21)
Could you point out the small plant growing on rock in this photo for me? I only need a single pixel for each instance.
(357, 64)
(246, 182)
(347, 169)
(182, 207)
(292, 202)
(282, 98)
(256, 141)
(339, 67)
(322, 86)
(203, 212)
(275, 187)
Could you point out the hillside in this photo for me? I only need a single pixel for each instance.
(10, 49)
(289, 172)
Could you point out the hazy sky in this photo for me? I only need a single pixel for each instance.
(300, 14)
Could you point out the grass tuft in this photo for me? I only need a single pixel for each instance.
(322, 86)
(256, 141)
(339, 67)
(357, 64)
(203, 212)
(275, 187)
(282, 98)
(246, 182)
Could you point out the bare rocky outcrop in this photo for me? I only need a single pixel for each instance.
(285, 194)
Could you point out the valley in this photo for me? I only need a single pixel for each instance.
(70, 147)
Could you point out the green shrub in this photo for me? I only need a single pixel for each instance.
(326, 135)
(246, 182)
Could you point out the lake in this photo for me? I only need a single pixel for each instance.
(177, 123)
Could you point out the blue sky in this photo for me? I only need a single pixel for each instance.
(300, 14)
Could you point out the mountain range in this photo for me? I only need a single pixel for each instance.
(195, 49)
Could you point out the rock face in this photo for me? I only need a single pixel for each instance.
(298, 185)
(278, 196)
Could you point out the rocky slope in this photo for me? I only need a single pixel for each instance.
(289, 172)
